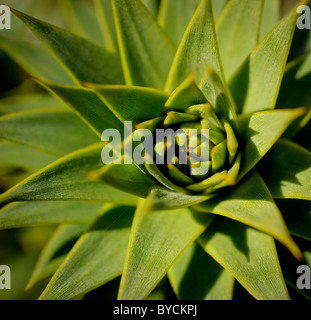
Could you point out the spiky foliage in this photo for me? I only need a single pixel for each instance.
(164, 64)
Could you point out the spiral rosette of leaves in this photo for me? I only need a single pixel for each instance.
(200, 151)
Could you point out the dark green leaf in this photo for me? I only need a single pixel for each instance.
(260, 131)
(174, 17)
(54, 252)
(23, 214)
(249, 255)
(237, 32)
(16, 155)
(88, 106)
(54, 130)
(146, 51)
(28, 101)
(251, 203)
(83, 60)
(97, 257)
(287, 171)
(255, 86)
(35, 59)
(196, 50)
(135, 104)
(196, 276)
(298, 221)
(66, 179)
(154, 246)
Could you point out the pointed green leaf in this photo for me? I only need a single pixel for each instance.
(187, 94)
(23, 214)
(16, 155)
(174, 117)
(196, 50)
(135, 104)
(54, 252)
(163, 199)
(255, 86)
(296, 80)
(35, 60)
(218, 95)
(298, 220)
(237, 32)
(270, 17)
(142, 43)
(54, 130)
(196, 276)
(28, 101)
(155, 172)
(287, 171)
(249, 255)
(176, 174)
(154, 246)
(104, 13)
(251, 203)
(59, 181)
(219, 156)
(88, 106)
(260, 131)
(126, 177)
(98, 65)
(82, 20)
(174, 17)
(97, 257)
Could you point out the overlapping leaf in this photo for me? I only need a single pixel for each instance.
(130, 103)
(16, 155)
(196, 276)
(96, 258)
(88, 106)
(141, 42)
(83, 60)
(81, 17)
(23, 214)
(270, 17)
(54, 252)
(256, 84)
(66, 179)
(196, 50)
(104, 14)
(298, 221)
(237, 32)
(259, 131)
(154, 246)
(174, 17)
(251, 203)
(35, 60)
(53, 130)
(249, 255)
(24, 102)
(287, 171)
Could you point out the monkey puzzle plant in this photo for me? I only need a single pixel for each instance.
(165, 65)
